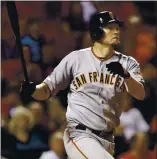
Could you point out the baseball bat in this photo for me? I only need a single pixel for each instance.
(13, 17)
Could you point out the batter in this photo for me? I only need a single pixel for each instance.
(98, 76)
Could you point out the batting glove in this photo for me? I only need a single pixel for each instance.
(27, 89)
(116, 68)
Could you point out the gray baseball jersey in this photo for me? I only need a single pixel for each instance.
(95, 94)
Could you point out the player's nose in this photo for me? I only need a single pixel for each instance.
(116, 30)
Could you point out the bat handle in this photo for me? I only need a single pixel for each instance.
(22, 60)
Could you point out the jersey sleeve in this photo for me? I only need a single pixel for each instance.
(133, 68)
(61, 75)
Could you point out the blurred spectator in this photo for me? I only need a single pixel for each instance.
(145, 47)
(153, 60)
(138, 148)
(56, 114)
(12, 70)
(86, 42)
(34, 39)
(48, 53)
(148, 11)
(139, 41)
(8, 143)
(13, 98)
(28, 139)
(4, 85)
(153, 134)
(35, 73)
(21, 122)
(39, 114)
(40, 120)
(9, 101)
(27, 53)
(131, 122)
(153, 125)
(149, 72)
(49, 59)
(150, 76)
(37, 111)
(6, 51)
(131, 119)
(75, 21)
(88, 9)
(56, 145)
(33, 69)
(53, 9)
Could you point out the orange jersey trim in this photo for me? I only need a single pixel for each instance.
(100, 58)
(77, 147)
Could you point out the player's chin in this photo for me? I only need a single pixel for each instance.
(115, 41)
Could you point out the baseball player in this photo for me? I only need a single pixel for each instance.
(98, 76)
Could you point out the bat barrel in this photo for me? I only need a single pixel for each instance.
(13, 16)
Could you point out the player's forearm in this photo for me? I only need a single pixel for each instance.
(136, 89)
(42, 92)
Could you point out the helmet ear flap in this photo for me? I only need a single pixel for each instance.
(96, 33)
(101, 33)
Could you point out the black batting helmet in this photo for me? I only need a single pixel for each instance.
(98, 21)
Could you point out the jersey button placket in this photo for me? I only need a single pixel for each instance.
(101, 89)
(102, 102)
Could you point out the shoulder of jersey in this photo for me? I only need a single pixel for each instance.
(121, 54)
(125, 56)
(82, 50)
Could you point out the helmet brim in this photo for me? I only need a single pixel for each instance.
(119, 22)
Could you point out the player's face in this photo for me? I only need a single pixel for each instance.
(112, 34)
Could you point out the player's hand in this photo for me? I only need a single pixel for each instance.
(116, 68)
(27, 89)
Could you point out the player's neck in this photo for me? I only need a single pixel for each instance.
(103, 51)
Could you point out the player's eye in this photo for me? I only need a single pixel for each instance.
(113, 26)
(110, 27)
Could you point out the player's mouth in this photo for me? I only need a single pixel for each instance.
(116, 38)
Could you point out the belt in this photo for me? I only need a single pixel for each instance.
(96, 132)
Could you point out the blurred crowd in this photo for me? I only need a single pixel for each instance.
(49, 31)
